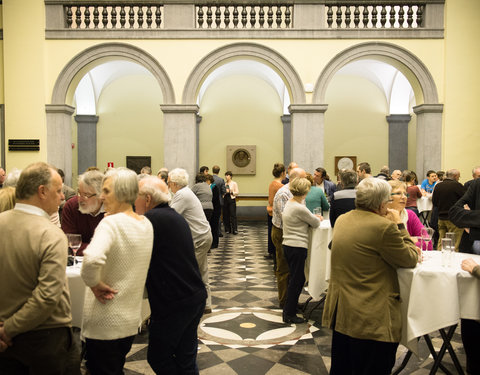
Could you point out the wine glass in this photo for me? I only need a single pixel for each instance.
(426, 235)
(74, 242)
(451, 235)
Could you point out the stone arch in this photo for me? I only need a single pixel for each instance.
(111, 50)
(428, 110)
(250, 50)
(405, 61)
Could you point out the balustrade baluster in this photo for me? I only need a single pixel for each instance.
(200, 16)
(288, 18)
(253, 16)
(226, 16)
(96, 19)
(78, 17)
(356, 18)
(348, 13)
(87, 16)
(420, 16)
(209, 17)
(140, 17)
(392, 16)
(279, 16)
(158, 16)
(409, 16)
(149, 16)
(401, 18)
(122, 17)
(383, 13)
(270, 17)
(235, 16)
(114, 17)
(329, 16)
(244, 16)
(104, 16)
(365, 16)
(374, 16)
(68, 11)
(261, 14)
(339, 16)
(218, 16)
(131, 16)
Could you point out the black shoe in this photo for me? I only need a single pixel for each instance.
(293, 319)
(235, 232)
(220, 235)
(207, 311)
(268, 256)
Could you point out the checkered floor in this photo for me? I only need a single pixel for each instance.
(245, 334)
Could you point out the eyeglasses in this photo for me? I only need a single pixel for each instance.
(86, 196)
(400, 194)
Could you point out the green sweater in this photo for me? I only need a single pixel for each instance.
(316, 198)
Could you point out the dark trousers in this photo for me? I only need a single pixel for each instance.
(214, 222)
(470, 333)
(107, 357)
(296, 263)
(229, 214)
(42, 352)
(172, 347)
(271, 246)
(352, 356)
(281, 270)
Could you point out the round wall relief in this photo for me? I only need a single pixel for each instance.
(241, 158)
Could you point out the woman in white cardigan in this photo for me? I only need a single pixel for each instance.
(115, 266)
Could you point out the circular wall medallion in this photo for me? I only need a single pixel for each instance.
(241, 158)
(345, 163)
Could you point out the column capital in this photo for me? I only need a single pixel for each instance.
(428, 108)
(60, 108)
(399, 118)
(86, 119)
(308, 108)
(180, 108)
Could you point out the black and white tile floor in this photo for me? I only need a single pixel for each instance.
(245, 334)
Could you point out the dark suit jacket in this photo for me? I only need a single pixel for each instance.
(363, 299)
(463, 218)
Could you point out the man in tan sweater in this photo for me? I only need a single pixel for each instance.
(35, 317)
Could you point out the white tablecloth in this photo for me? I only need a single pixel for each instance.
(425, 203)
(435, 297)
(77, 297)
(319, 256)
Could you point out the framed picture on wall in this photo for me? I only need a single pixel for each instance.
(345, 162)
(136, 163)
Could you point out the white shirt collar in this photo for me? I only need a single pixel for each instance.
(30, 209)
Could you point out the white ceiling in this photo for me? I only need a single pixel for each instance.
(396, 88)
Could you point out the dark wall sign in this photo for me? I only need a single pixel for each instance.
(24, 145)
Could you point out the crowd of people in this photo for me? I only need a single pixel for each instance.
(170, 228)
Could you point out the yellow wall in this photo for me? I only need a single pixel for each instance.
(355, 123)
(24, 64)
(462, 87)
(242, 110)
(130, 121)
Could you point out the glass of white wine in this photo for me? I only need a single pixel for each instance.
(74, 242)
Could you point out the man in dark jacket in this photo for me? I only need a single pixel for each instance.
(175, 288)
(444, 197)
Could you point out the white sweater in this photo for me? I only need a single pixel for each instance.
(296, 219)
(119, 255)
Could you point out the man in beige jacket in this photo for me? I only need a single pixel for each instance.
(363, 300)
(35, 317)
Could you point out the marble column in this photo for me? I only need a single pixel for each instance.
(180, 137)
(398, 141)
(429, 138)
(307, 137)
(287, 139)
(59, 138)
(86, 141)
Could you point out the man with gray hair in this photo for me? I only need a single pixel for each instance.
(344, 200)
(186, 203)
(175, 288)
(35, 314)
(475, 175)
(444, 196)
(279, 201)
(82, 213)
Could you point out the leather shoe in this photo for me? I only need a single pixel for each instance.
(293, 319)
(235, 232)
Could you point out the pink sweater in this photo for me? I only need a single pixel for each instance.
(414, 227)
